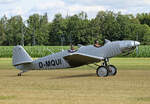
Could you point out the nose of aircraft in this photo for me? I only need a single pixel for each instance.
(128, 45)
(136, 43)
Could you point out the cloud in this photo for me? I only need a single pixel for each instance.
(6, 1)
(90, 10)
(14, 11)
(65, 8)
(78, 8)
(52, 4)
(116, 4)
(71, 7)
(91, 7)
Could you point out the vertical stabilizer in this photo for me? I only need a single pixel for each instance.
(20, 56)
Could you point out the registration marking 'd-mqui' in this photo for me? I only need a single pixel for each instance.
(48, 63)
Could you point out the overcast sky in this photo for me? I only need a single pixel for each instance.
(70, 7)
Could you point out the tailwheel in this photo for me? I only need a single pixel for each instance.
(19, 74)
(102, 71)
(23, 71)
(112, 70)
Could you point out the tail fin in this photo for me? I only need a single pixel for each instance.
(20, 56)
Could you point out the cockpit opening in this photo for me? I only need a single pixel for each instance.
(98, 44)
(72, 49)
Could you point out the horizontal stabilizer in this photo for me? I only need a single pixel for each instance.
(20, 56)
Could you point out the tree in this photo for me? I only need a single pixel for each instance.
(76, 29)
(3, 27)
(37, 30)
(110, 28)
(13, 31)
(58, 28)
(144, 18)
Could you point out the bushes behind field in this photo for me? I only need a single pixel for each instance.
(40, 51)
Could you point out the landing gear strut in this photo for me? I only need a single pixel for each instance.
(106, 69)
(20, 74)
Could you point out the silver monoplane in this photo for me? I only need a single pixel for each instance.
(84, 55)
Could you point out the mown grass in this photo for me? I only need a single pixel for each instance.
(6, 97)
(40, 51)
(80, 85)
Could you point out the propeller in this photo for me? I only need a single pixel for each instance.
(126, 54)
(137, 50)
(137, 47)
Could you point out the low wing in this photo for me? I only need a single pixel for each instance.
(78, 59)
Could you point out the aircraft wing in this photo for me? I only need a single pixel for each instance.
(78, 59)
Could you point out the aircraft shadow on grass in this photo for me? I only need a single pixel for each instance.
(75, 76)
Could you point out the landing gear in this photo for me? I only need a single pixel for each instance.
(102, 71)
(20, 74)
(106, 70)
(112, 70)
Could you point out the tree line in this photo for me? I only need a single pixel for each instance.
(76, 29)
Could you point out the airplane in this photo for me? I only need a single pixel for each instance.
(84, 55)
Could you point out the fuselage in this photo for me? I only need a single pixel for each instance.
(56, 60)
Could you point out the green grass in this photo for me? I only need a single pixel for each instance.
(120, 63)
(40, 51)
(80, 85)
(6, 97)
(131, 63)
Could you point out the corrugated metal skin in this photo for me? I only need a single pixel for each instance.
(108, 50)
(20, 56)
(56, 57)
(56, 61)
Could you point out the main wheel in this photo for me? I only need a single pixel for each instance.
(112, 70)
(102, 71)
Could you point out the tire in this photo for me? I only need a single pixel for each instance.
(112, 70)
(102, 71)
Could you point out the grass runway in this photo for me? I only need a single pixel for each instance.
(80, 85)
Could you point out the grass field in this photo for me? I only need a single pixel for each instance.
(80, 85)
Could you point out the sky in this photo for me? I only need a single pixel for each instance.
(25, 8)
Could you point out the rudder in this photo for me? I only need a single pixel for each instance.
(20, 56)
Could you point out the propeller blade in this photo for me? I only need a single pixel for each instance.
(137, 50)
